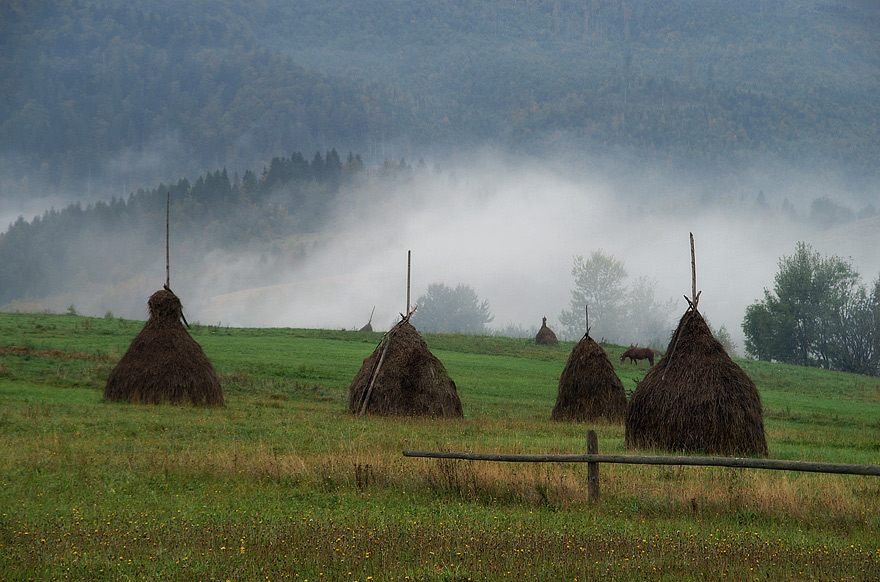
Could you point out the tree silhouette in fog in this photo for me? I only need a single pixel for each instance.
(448, 310)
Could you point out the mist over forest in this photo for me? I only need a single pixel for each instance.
(308, 147)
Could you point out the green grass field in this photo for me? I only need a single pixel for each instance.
(285, 484)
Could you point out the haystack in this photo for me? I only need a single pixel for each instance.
(588, 387)
(545, 336)
(696, 398)
(369, 325)
(402, 377)
(163, 363)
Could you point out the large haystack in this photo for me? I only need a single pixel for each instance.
(696, 399)
(588, 387)
(163, 363)
(406, 378)
(545, 336)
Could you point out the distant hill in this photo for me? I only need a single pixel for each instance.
(147, 91)
(143, 92)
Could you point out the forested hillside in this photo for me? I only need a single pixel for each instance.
(93, 88)
(708, 82)
(104, 244)
(149, 90)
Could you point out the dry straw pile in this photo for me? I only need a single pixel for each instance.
(696, 399)
(163, 363)
(402, 377)
(545, 336)
(588, 387)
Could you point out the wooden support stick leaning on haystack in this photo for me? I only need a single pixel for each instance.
(696, 399)
(402, 377)
(386, 341)
(387, 337)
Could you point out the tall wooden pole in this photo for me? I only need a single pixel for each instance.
(693, 272)
(408, 269)
(167, 252)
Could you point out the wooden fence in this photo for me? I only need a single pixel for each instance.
(593, 459)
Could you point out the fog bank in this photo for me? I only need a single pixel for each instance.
(510, 231)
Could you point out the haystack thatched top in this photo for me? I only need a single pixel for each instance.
(165, 307)
(693, 351)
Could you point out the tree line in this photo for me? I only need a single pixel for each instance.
(85, 82)
(619, 312)
(58, 248)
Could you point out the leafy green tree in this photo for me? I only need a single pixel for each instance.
(816, 307)
(853, 332)
(448, 310)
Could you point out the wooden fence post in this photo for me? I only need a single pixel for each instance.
(592, 468)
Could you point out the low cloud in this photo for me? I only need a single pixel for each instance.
(510, 230)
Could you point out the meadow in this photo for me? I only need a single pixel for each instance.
(284, 484)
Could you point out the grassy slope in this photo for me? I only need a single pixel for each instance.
(284, 484)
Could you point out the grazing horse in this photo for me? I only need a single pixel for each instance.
(640, 354)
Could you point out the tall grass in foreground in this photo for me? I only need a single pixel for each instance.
(284, 484)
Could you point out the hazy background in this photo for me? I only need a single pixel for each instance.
(536, 132)
(508, 226)
(509, 229)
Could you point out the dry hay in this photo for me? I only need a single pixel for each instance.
(588, 387)
(545, 336)
(411, 381)
(696, 399)
(163, 363)
(369, 325)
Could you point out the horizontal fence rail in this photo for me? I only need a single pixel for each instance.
(593, 459)
(745, 463)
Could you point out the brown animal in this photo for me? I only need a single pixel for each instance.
(640, 354)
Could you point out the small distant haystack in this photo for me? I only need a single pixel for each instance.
(402, 377)
(163, 363)
(545, 336)
(369, 326)
(696, 398)
(588, 387)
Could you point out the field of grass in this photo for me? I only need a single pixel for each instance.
(284, 484)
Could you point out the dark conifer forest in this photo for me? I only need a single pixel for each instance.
(236, 83)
